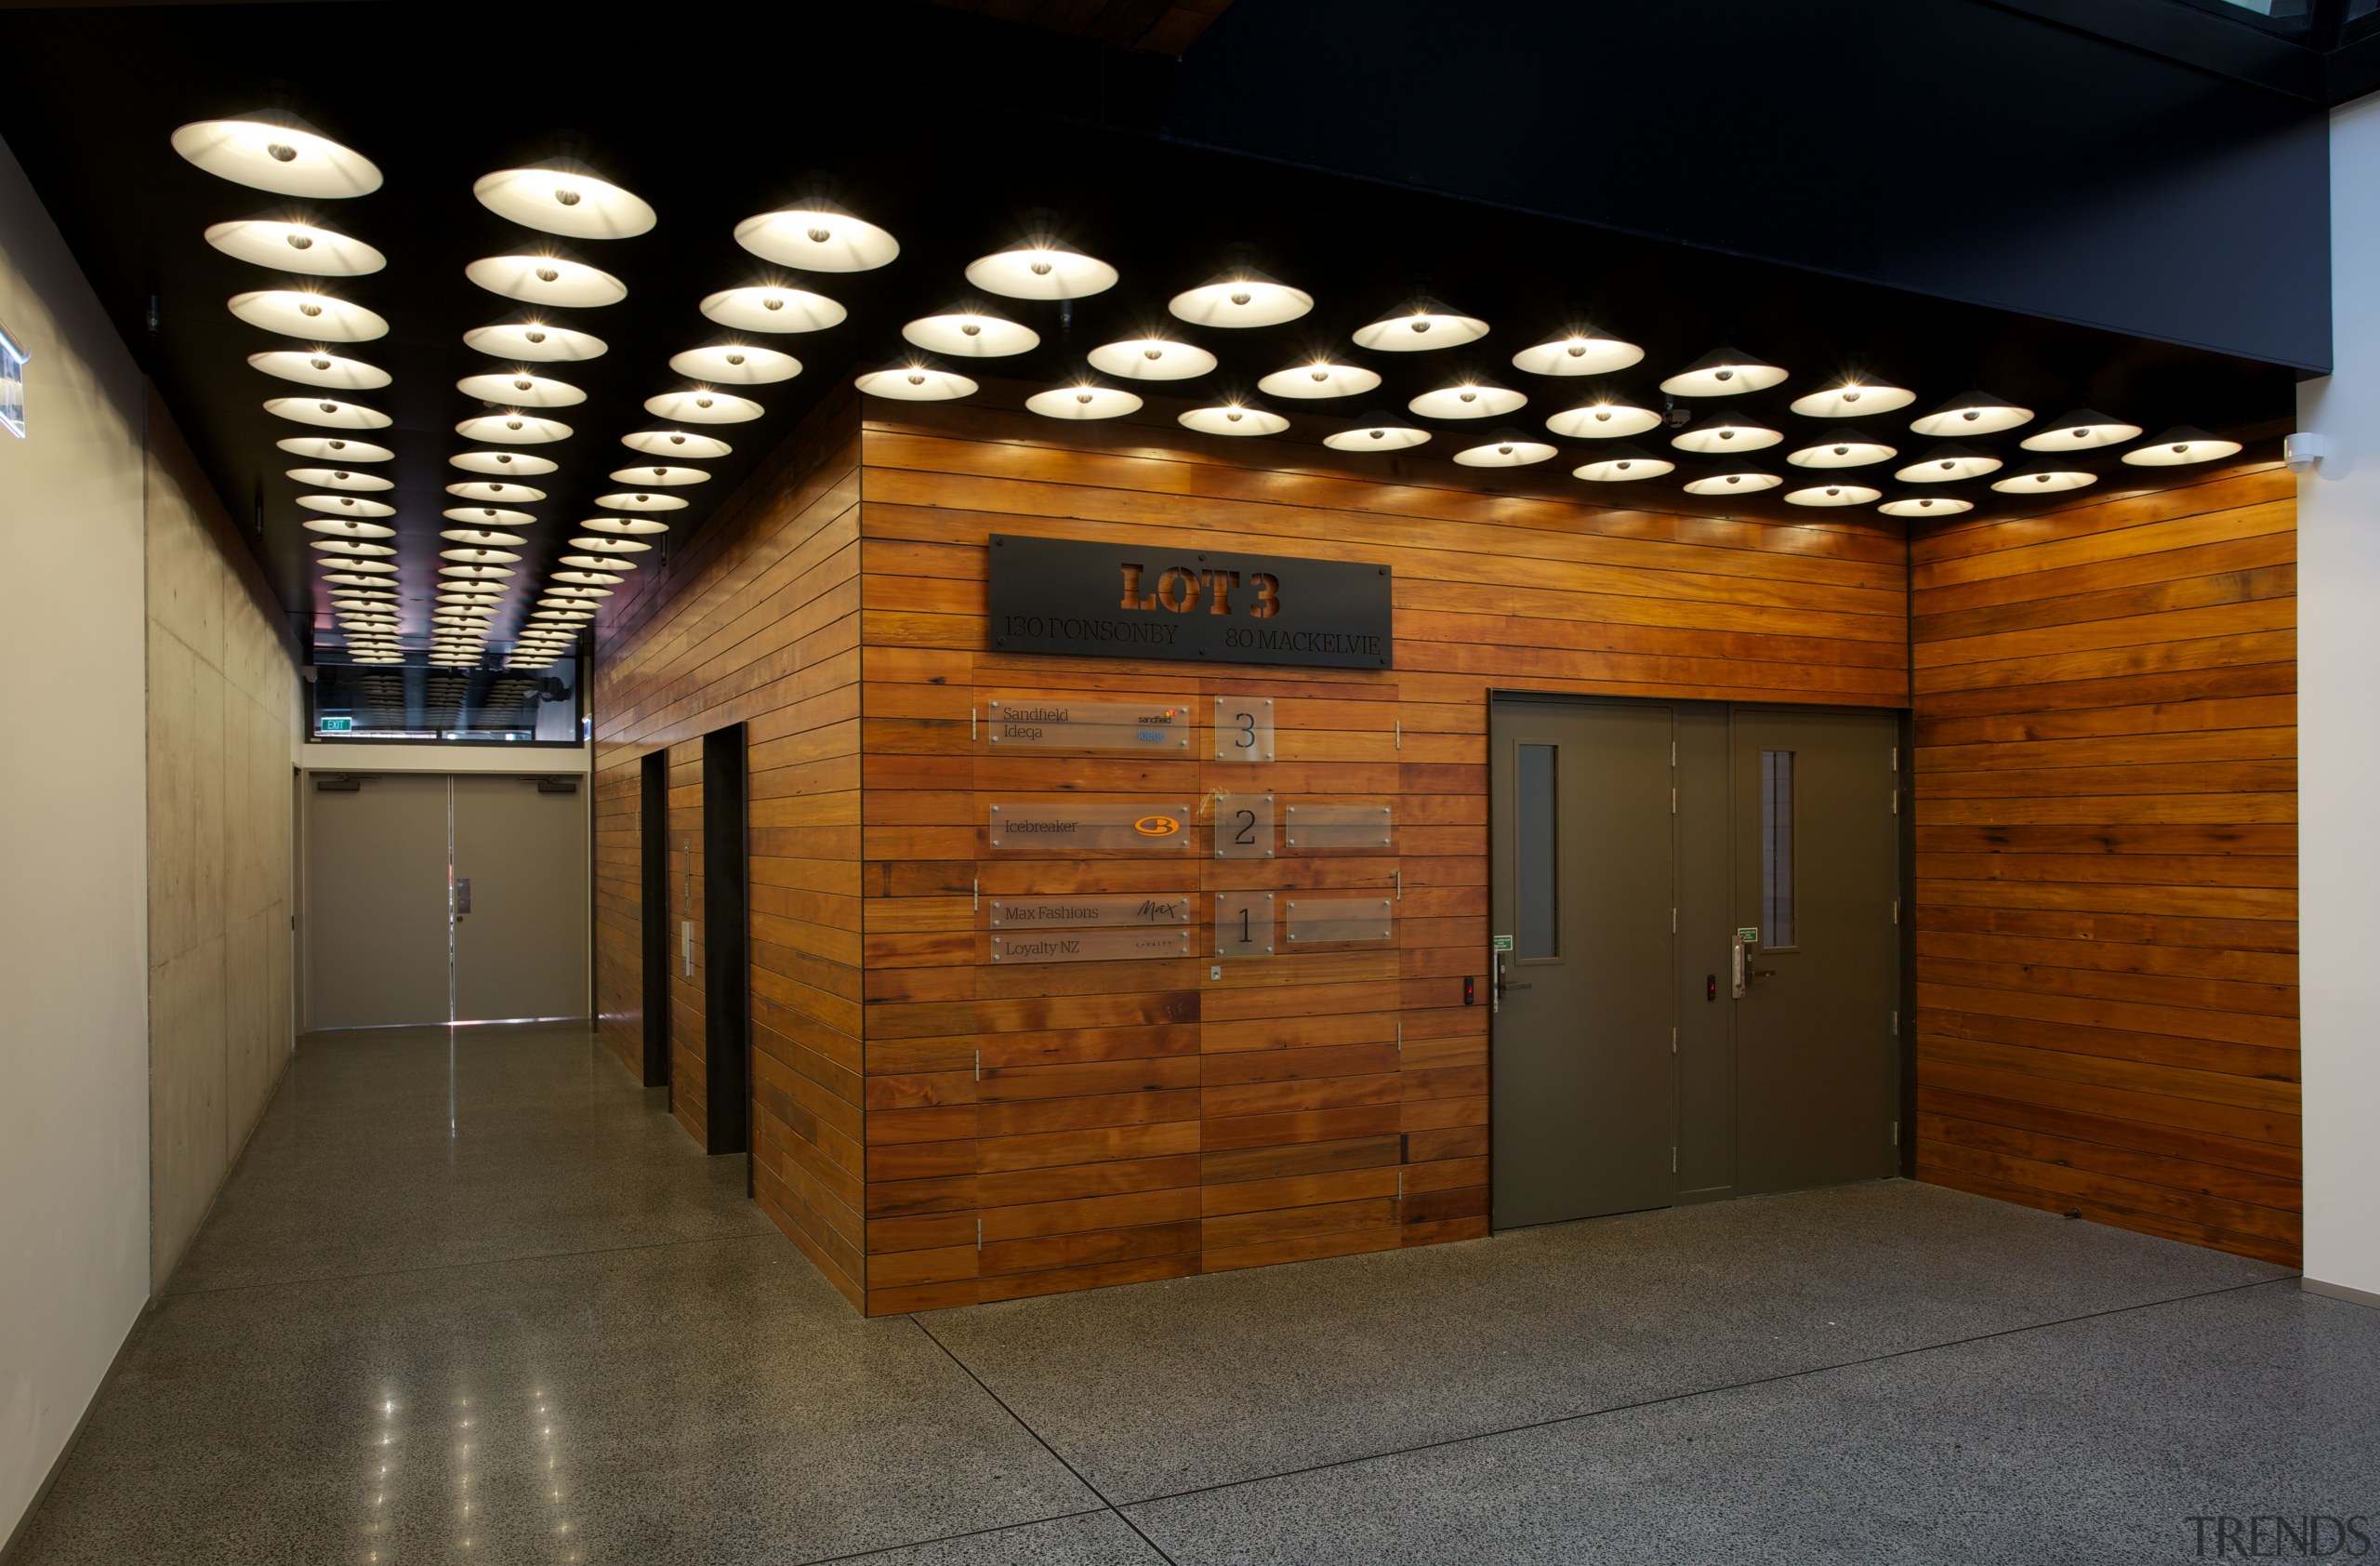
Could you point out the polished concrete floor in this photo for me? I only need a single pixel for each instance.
(478, 1299)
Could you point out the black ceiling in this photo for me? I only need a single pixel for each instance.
(951, 131)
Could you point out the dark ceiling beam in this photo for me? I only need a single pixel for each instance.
(2236, 49)
(1153, 26)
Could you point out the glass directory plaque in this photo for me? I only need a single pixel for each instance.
(1243, 923)
(1336, 826)
(1067, 826)
(1313, 920)
(1243, 826)
(1091, 946)
(1059, 723)
(1118, 909)
(1243, 728)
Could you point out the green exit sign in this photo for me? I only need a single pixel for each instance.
(338, 725)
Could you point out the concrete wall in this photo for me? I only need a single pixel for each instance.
(2338, 651)
(74, 925)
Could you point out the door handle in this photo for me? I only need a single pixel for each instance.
(462, 896)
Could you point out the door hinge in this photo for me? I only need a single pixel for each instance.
(1896, 910)
(1401, 734)
(1896, 799)
(979, 1234)
(1672, 1041)
(1672, 752)
(1896, 1134)
(1672, 921)
(1896, 1024)
(1673, 1160)
(1400, 1035)
(1673, 802)
(979, 1065)
(1896, 758)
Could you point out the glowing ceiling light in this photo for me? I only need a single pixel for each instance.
(1471, 397)
(641, 500)
(703, 406)
(1623, 464)
(519, 464)
(482, 573)
(1972, 413)
(564, 196)
(1083, 400)
(2083, 429)
(1733, 480)
(1319, 378)
(494, 490)
(347, 527)
(600, 545)
(1605, 420)
(677, 443)
(482, 537)
(1040, 268)
(536, 341)
(488, 516)
(1946, 464)
(1506, 449)
(361, 549)
(769, 307)
(286, 245)
(2180, 446)
(1852, 396)
(735, 364)
(328, 413)
(319, 367)
(915, 380)
(481, 556)
(513, 427)
(1927, 505)
(818, 236)
(589, 579)
(660, 475)
(971, 332)
(1832, 494)
(301, 312)
(338, 478)
(346, 505)
(1233, 418)
(1419, 324)
(272, 151)
(536, 278)
(624, 525)
(596, 562)
(1386, 432)
(1721, 433)
(519, 388)
(1723, 372)
(365, 568)
(1847, 448)
(1582, 349)
(1150, 358)
(333, 448)
(2048, 476)
(1240, 297)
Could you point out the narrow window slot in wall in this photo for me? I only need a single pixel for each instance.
(1777, 847)
(1537, 902)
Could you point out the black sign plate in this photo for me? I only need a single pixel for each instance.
(1157, 601)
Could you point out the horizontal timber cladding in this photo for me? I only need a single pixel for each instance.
(1059, 1126)
(754, 618)
(2106, 872)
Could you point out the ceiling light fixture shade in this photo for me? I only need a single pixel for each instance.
(511, 464)
(476, 573)
(301, 312)
(770, 306)
(319, 368)
(1084, 400)
(1849, 448)
(564, 196)
(1733, 481)
(641, 500)
(1150, 359)
(1320, 378)
(660, 475)
(1623, 464)
(2083, 429)
(340, 478)
(915, 380)
(1419, 324)
(347, 527)
(967, 332)
(589, 579)
(1927, 505)
(1241, 297)
(346, 505)
(1468, 398)
(488, 516)
(1971, 413)
(358, 548)
(1582, 350)
(354, 576)
(1725, 433)
(2048, 476)
(624, 525)
(1852, 396)
(1233, 418)
(1507, 448)
(1832, 494)
(1723, 372)
(1604, 421)
(519, 388)
(735, 364)
(574, 592)
(536, 341)
(1947, 464)
(2180, 446)
(1040, 268)
(513, 427)
(495, 490)
(368, 568)
(547, 280)
(482, 538)
(333, 448)
(818, 236)
(329, 414)
(677, 443)
(596, 562)
(287, 244)
(1385, 432)
(703, 406)
(481, 556)
(610, 546)
(277, 151)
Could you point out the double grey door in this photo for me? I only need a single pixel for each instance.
(1699, 992)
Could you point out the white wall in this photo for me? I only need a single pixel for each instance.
(73, 828)
(2338, 654)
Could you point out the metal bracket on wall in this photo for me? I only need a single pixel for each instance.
(971, 725)
(978, 892)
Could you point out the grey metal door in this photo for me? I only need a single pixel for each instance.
(375, 902)
(1817, 874)
(1581, 1085)
(520, 845)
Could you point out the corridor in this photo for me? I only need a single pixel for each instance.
(474, 1296)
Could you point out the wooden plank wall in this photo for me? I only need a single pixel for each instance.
(1137, 1119)
(2107, 844)
(755, 620)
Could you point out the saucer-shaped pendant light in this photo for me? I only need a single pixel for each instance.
(502, 464)
(2048, 476)
(326, 412)
(333, 448)
(319, 367)
(1040, 268)
(538, 341)
(1849, 448)
(735, 364)
(346, 505)
(1233, 419)
(340, 478)
(677, 444)
(481, 556)
(513, 428)
(1320, 378)
(1607, 421)
(641, 500)
(564, 196)
(659, 476)
(816, 236)
(1241, 297)
(1851, 397)
(301, 312)
(971, 332)
(1419, 325)
(482, 537)
(272, 151)
(365, 549)
(2180, 446)
(917, 380)
(1832, 494)
(1150, 359)
(1583, 350)
(1733, 481)
(1725, 433)
(703, 404)
(362, 567)
(488, 516)
(597, 544)
(770, 306)
(1506, 449)
(348, 528)
(589, 579)
(519, 388)
(2083, 429)
(1723, 372)
(539, 278)
(1927, 505)
(286, 245)
(481, 572)
(1383, 433)
(1971, 413)
(1471, 397)
(1946, 464)
(1623, 464)
(496, 492)
(1083, 400)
